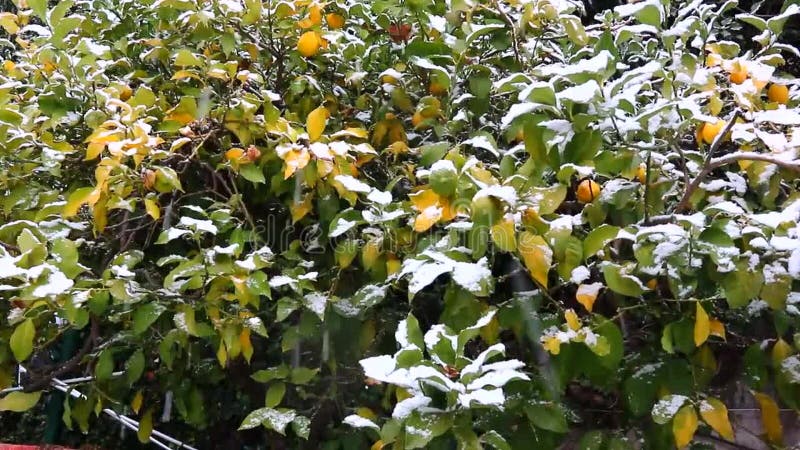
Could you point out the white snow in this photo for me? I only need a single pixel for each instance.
(352, 184)
(579, 275)
(583, 93)
(199, 225)
(380, 197)
(505, 193)
(405, 407)
(357, 421)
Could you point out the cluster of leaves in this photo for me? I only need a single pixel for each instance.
(326, 222)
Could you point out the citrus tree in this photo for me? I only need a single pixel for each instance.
(402, 223)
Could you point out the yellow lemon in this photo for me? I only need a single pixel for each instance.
(711, 130)
(334, 20)
(738, 76)
(588, 190)
(778, 93)
(308, 44)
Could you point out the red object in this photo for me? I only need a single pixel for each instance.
(399, 32)
(32, 447)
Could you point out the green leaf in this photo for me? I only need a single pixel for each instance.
(619, 281)
(301, 425)
(494, 439)
(275, 394)
(598, 238)
(273, 419)
(742, 285)
(39, 8)
(21, 341)
(134, 367)
(273, 373)
(252, 173)
(547, 416)
(302, 375)
(144, 316)
(667, 407)
(432, 153)
(105, 366)
(19, 401)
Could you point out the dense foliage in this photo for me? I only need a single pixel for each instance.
(402, 223)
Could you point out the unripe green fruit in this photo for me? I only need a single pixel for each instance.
(444, 178)
(486, 211)
(94, 118)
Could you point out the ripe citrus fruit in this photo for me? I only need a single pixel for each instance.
(437, 89)
(711, 130)
(778, 93)
(417, 120)
(641, 173)
(334, 20)
(588, 190)
(308, 44)
(738, 76)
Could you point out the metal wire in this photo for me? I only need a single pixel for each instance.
(66, 387)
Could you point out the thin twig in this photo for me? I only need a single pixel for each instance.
(683, 204)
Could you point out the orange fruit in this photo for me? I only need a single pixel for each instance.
(308, 44)
(641, 173)
(738, 76)
(234, 154)
(588, 190)
(125, 93)
(711, 130)
(652, 284)
(334, 20)
(437, 89)
(778, 93)
(417, 120)
(388, 79)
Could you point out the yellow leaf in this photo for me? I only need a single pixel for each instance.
(770, 418)
(145, 427)
(222, 355)
(247, 346)
(780, 351)
(715, 414)
(183, 74)
(9, 22)
(716, 328)
(504, 235)
(427, 218)
(552, 344)
(378, 445)
(151, 206)
(100, 215)
(295, 160)
(93, 150)
(684, 424)
(301, 209)
(573, 322)
(424, 199)
(701, 325)
(370, 253)
(587, 294)
(536, 255)
(136, 403)
(78, 198)
(351, 132)
(19, 401)
(315, 123)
